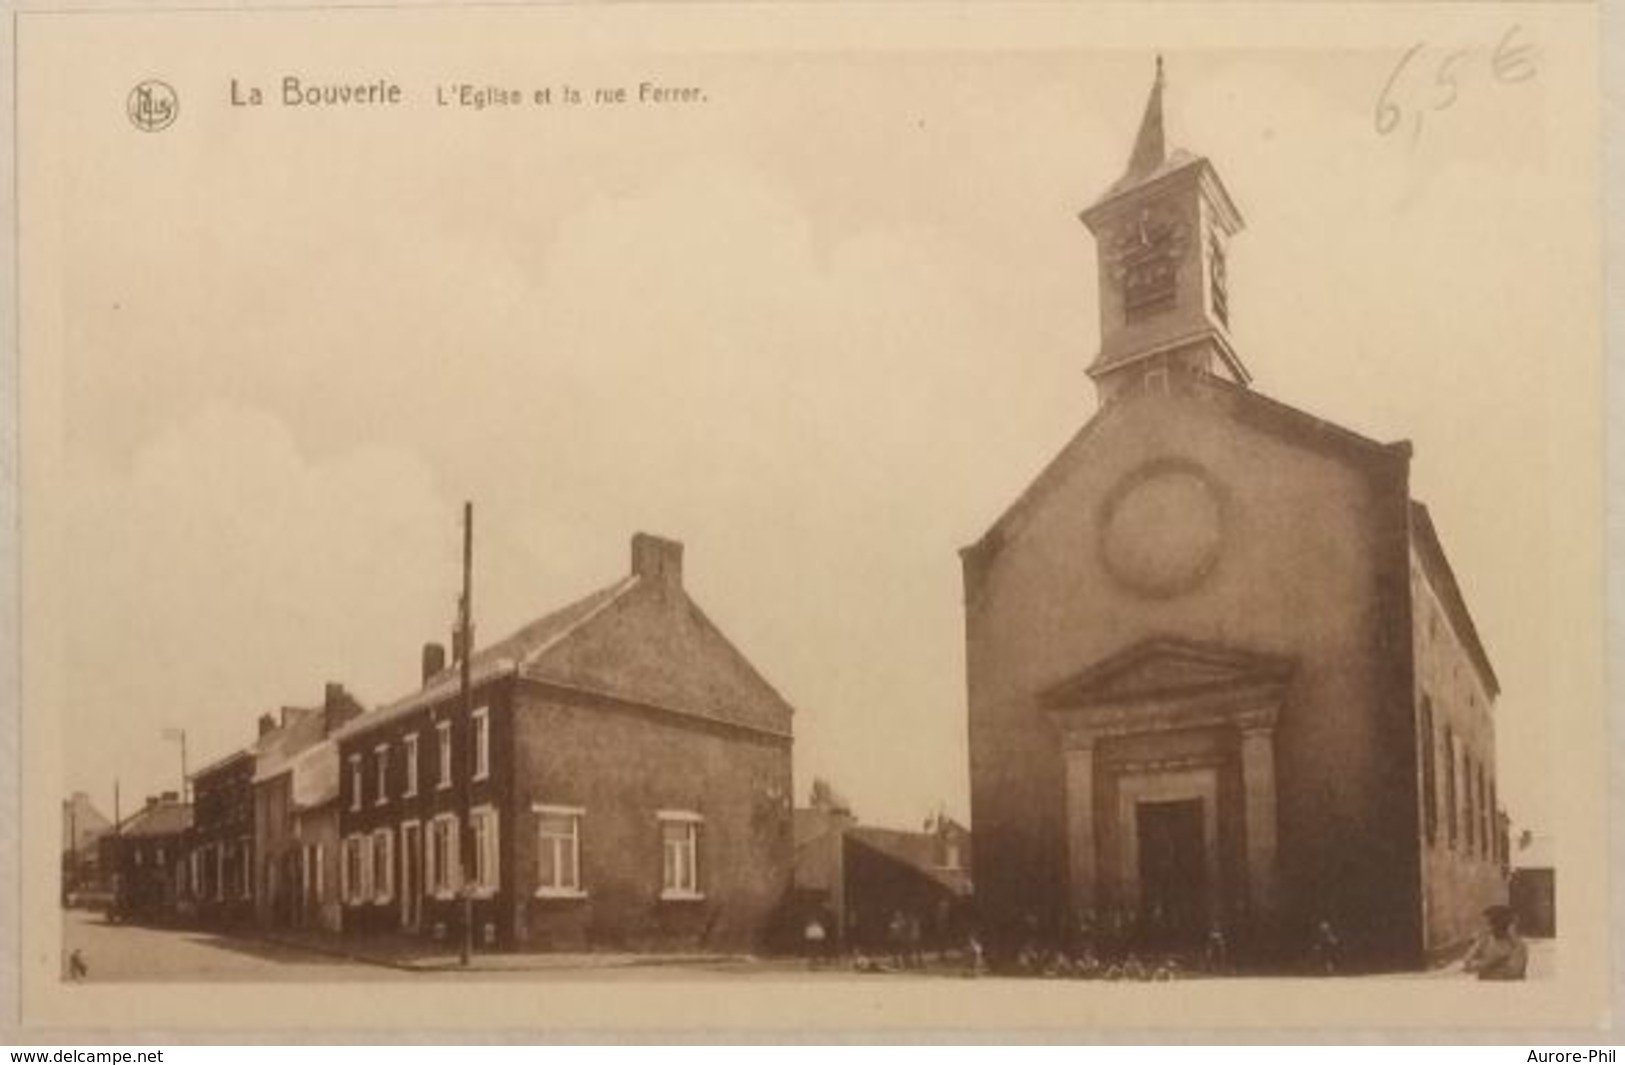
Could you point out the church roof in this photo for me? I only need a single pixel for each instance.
(1425, 540)
(1150, 149)
(1248, 406)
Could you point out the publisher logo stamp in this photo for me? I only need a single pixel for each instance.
(152, 106)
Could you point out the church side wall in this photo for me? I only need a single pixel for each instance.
(1300, 572)
(1462, 869)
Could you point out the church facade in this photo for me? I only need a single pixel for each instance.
(1219, 670)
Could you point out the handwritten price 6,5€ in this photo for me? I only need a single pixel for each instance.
(1410, 94)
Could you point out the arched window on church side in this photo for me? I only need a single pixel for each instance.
(1450, 785)
(1430, 775)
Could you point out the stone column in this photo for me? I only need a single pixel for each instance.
(1080, 823)
(1258, 785)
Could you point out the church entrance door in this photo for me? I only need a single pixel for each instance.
(1173, 872)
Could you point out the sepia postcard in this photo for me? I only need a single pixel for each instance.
(790, 519)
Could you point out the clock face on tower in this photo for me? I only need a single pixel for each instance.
(1143, 254)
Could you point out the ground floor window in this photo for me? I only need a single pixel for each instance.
(482, 822)
(442, 856)
(558, 850)
(680, 848)
(354, 872)
(383, 865)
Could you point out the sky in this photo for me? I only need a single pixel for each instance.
(822, 327)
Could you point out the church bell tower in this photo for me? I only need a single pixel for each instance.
(1161, 232)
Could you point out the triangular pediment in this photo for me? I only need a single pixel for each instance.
(1163, 667)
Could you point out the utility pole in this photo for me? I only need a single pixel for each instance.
(465, 630)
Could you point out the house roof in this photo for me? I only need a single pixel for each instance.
(641, 642)
(315, 775)
(221, 763)
(497, 659)
(160, 819)
(1425, 540)
(82, 823)
(274, 753)
(918, 850)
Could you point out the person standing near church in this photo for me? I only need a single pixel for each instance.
(1500, 953)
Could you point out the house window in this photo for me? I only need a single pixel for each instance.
(482, 743)
(1450, 796)
(443, 741)
(680, 851)
(318, 878)
(1495, 825)
(411, 745)
(1219, 285)
(383, 865)
(355, 782)
(558, 851)
(1469, 828)
(380, 761)
(1430, 773)
(350, 871)
(442, 856)
(482, 821)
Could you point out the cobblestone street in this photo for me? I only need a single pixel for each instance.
(115, 952)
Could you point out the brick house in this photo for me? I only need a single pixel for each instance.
(314, 801)
(145, 859)
(220, 871)
(283, 888)
(857, 878)
(621, 780)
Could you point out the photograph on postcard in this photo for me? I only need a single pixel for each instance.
(508, 502)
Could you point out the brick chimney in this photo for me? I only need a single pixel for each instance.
(338, 706)
(658, 560)
(434, 660)
(267, 724)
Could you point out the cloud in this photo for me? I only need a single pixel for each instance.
(222, 573)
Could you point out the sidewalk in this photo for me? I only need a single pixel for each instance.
(419, 955)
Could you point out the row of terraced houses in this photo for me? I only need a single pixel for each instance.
(617, 775)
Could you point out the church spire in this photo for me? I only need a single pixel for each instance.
(1161, 235)
(1150, 151)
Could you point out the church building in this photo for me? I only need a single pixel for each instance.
(1220, 671)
